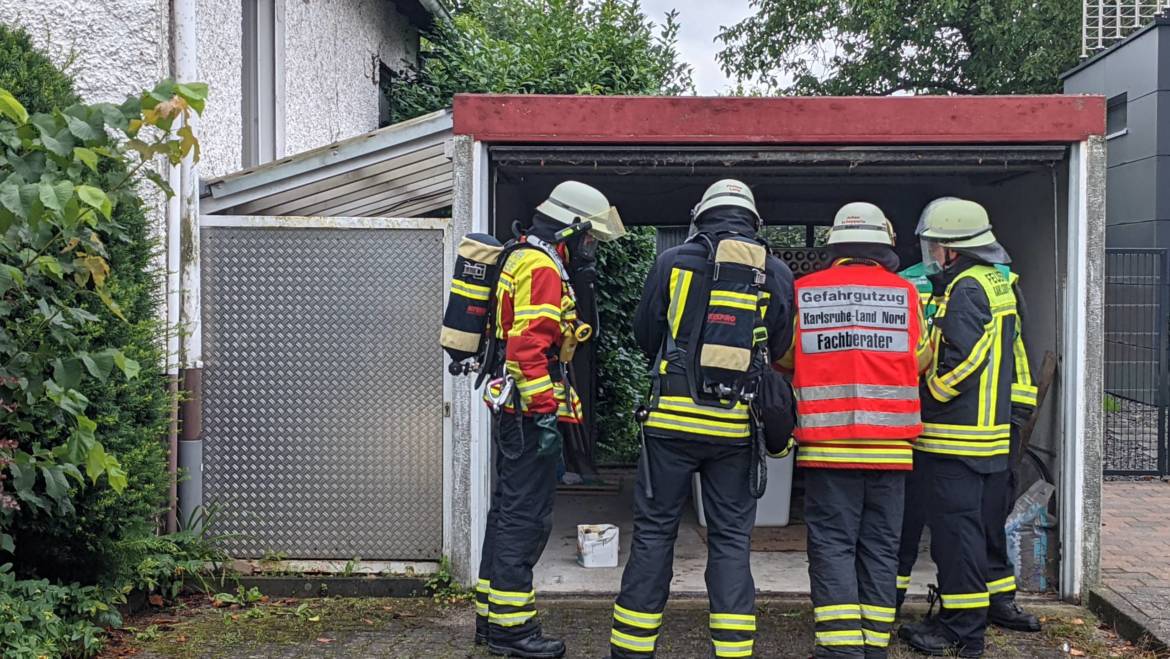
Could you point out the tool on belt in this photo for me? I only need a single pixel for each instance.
(641, 415)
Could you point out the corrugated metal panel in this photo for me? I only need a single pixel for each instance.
(399, 171)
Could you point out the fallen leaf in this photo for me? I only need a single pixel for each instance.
(181, 638)
(1076, 653)
(156, 600)
(367, 621)
(315, 619)
(1078, 621)
(324, 640)
(235, 617)
(264, 600)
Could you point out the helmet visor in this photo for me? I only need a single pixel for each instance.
(934, 256)
(607, 225)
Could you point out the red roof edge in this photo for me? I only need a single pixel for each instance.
(533, 119)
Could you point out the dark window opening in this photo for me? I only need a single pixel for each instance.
(385, 95)
(1116, 117)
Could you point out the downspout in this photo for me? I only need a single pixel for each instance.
(190, 444)
(174, 179)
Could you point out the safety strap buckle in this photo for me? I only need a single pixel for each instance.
(759, 335)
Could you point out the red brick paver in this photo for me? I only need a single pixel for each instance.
(1135, 547)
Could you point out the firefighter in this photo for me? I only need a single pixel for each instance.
(998, 496)
(859, 347)
(536, 327)
(689, 429)
(966, 408)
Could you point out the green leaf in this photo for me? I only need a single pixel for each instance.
(67, 372)
(95, 462)
(161, 182)
(11, 108)
(56, 487)
(24, 476)
(100, 364)
(48, 197)
(86, 157)
(195, 93)
(80, 129)
(10, 276)
(95, 198)
(10, 198)
(110, 303)
(129, 367)
(116, 475)
(6, 543)
(50, 264)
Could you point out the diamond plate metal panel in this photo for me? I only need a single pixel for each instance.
(323, 391)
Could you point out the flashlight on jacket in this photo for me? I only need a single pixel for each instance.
(583, 332)
(572, 230)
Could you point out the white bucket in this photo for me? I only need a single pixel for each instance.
(597, 545)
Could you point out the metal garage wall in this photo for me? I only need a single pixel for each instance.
(324, 385)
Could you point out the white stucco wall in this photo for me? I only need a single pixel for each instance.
(111, 48)
(221, 66)
(331, 76)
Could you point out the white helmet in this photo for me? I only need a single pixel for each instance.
(728, 192)
(960, 225)
(573, 201)
(861, 222)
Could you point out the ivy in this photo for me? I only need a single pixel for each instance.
(56, 222)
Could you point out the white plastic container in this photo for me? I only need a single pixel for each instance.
(597, 545)
(772, 508)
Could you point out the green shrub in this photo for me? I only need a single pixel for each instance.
(42, 619)
(131, 414)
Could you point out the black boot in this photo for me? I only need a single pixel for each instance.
(930, 640)
(1004, 612)
(536, 646)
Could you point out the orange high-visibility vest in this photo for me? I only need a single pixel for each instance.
(858, 334)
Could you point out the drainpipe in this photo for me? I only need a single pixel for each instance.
(190, 453)
(172, 236)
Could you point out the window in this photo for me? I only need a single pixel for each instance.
(1116, 116)
(263, 81)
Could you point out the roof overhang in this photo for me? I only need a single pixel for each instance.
(532, 119)
(402, 170)
(423, 13)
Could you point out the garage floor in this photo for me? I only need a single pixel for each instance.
(776, 573)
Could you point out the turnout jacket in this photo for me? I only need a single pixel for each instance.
(980, 368)
(536, 313)
(670, 302)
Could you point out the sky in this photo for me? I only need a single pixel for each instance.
(701, 21)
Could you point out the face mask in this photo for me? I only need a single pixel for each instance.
(933, 256)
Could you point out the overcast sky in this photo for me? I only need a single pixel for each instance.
(701, 20)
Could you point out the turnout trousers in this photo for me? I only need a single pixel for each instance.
(518, 526)
(730, 514)
(999, 497)
(853, 518)
(955, 507)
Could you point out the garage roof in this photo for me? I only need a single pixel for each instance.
(402, 170)
(790, 120)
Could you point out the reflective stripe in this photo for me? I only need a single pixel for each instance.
(813, 453)
(903, 582)
(859, 417)
(876, 639)
(1005, 585)
(954, 447)
(733, 300)
(531, 387)
(692, 425)
(680, 285)
(511, 619)
(685, 404)
(733, 621)
(481, 609)
(835, 391)
(941, 392)
(636, 619)
(989, 379)
(508, 598)
(878, 613)
(966, 601)
(482, 586)
(549, 311)
(1024, 394)
(732, 648)
(848, 637)
(631, 642)
(973, 361)
(952, 431)
(837, 612)
(470, 291)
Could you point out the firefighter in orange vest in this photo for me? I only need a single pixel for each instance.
(536, 328)
(859, 347)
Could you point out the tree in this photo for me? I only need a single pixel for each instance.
(881, 47)
(566, 47)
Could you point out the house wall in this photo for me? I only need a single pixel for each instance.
(1138, 205)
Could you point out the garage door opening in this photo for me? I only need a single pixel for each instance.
(798, 190)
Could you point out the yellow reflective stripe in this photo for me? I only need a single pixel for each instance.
(848, 637)
(511, 619)
(1005, 585)
(941, 392)
(483, 586)
(631, 642)
(680, 286)
(989, 379)
(637, 619)
(694, 425)
(955, 431)
(903, 582)
(978, 449)
(732, 648)
(470, 291)
(507, 283)
(511, 598)
(532, 312)
(876, 639)
(765, 297)
(837, 612)
(733, 300)
(733, 621)
(481, 609)
(685, 404)
(1024, 394)
(973, 361)
(966, 601)
(532, 387)
(878, 613)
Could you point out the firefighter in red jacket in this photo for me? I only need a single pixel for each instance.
(859, 347)
(537, 325)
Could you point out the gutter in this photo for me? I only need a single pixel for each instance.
(437, 9)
